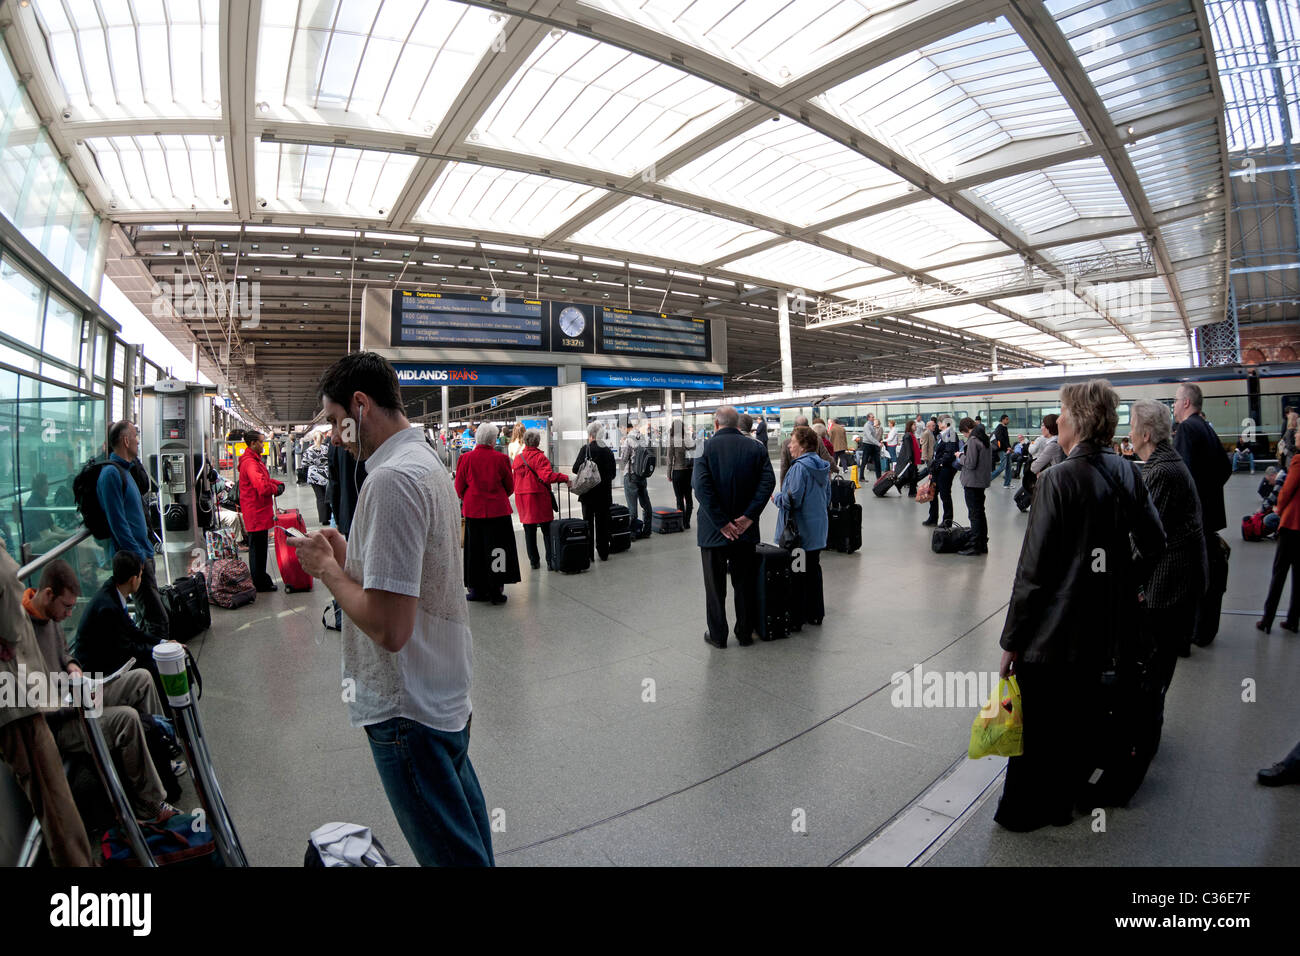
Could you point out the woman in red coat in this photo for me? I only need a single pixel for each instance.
(256, 491)
(532, 473)
(484, 484)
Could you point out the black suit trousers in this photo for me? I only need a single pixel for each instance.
(739, 558)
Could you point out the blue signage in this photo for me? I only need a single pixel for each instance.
(421, 373)
(627, 378)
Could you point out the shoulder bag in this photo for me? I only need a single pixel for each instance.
(555, 503)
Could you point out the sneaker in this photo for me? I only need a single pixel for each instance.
(179, 767)
(165, 812)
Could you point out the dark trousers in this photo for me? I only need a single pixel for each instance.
(943, 492)
(530, 542)
(1042, 784)
(149, 600)
(871, 456)
(636, 491)
(596, 514)
(979, 525)
(807, 603)
(908, 478)
(682, 490)
(1207, 620)
(1286, 560)
(739, 558)
(257, 559)
(322, 503)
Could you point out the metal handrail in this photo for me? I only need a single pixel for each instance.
(60, 549)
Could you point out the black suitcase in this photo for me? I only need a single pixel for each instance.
(844, 533)
(884, 484)
(570, 544)
(1207, 623)
(842, 491)
(620, 528)
(1127, 737)
(186, 602)
(949, 540)
(772, 615)
(667, 521)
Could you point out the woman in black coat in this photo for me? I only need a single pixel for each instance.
(596, 501)
(1073, 605)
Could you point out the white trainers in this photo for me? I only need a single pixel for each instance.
(179, 767)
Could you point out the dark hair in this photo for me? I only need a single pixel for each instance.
(966, 425)
(126, 565)
(806, 437)
(1049, 422)
(116, 431)
(59, 577)
(1005, 417)
(366, 372)
(251, 438)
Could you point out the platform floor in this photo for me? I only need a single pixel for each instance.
(788, 753)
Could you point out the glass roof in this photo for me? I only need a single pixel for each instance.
(330, 179)
(399, 64)
(790, 172)
(956, 99)
(593, 104)
(1046, 198)
(479, 197)
(918, 234)
(128, 58)
(163, 172)
(800, 265)
(1254, 82)
(668, 232)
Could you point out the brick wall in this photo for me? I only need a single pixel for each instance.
(1270, 343)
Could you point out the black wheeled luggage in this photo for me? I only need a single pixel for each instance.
(570, 543)
(667, 521)
(884, 484)
(842, 493)
(844, 533)
(620, 528)
(186, 601)
(772, 615)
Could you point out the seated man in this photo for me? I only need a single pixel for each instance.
(127, 701)
(1269, 486)
(1245, 453)
(106, 636)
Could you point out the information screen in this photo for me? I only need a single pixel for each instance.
(468, 321)
(653, 334)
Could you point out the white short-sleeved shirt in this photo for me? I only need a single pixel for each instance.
(404, 539)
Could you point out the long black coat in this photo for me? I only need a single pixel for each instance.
(1181, 572)
(1076, 576)
(733, 477)
(602, 496)
(1210, 466)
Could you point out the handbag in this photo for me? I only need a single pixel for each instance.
(790, 537)
(586, 477)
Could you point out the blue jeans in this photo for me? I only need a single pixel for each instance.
(433, 791)
(1243, 456)
(1003, 468)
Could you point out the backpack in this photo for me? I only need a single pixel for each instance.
(643, 461)
(1252, 527)
(230, 583)
(86, 494)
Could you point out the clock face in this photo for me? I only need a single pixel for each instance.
(572, 322)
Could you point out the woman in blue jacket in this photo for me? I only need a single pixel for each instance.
(805, 498)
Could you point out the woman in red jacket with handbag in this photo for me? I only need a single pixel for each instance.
(535, 501)
(256, 493)
(484, 484)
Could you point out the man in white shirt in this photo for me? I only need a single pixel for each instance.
(407, 651)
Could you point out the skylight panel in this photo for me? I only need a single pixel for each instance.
(331, 180)
(659, 230)
(1047, 198)
(479, 197)
(920, 233)
(163, 172)
(804, 266)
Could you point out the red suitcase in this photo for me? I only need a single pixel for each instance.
(291, 572)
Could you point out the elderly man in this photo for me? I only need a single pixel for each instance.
(732, 481)
(1205, 458)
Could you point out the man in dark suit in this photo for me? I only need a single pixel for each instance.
(733, 482)
(1210, 466)
(106, 636)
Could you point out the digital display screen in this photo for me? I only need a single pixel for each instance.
(655, 335)
(468, 321)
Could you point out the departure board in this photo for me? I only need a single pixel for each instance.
(654, 335)
(436, 320)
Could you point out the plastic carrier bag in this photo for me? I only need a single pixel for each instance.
(999, 728)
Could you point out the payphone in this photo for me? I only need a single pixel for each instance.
(176, 428)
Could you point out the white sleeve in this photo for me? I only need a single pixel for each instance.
(400, 531)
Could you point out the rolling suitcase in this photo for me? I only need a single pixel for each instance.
(620, 528)
(186, 601)
(772, 615)
(884, 484)
(949, 540)
(570, 543)
(286, 558)
(844, 533)
(667, 521)
(841, 493)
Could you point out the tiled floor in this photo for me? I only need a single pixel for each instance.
(783, 753)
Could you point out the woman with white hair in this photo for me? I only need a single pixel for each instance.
(484, 484)
(1173, 592)
(596, 501)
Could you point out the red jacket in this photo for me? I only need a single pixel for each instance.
(532, 497)
(256, 491)
(1288, 502)
(484, 483)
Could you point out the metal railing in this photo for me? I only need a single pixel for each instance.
(58, 551)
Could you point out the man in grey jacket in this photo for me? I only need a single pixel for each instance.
(976, 471)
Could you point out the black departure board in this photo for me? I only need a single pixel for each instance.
(654, 335)
(469, 321)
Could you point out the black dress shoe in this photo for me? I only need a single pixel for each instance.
(971, 552)
(929, 522)
(1279, 775)
(1266, 628)
(499, 599)
(267, 589)
(712, 643)
(536, 565)
(745, 641)
(1293, 628)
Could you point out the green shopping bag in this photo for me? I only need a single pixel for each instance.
(999, 728)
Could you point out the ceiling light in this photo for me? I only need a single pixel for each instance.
(555, 34)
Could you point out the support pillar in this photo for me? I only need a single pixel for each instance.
(783, 326)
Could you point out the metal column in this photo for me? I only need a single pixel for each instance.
(783, 325)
